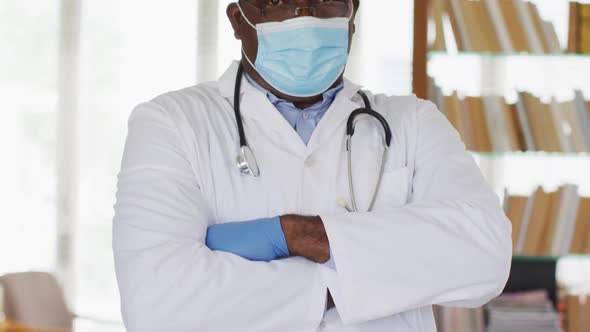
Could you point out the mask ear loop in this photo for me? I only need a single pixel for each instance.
(245, 17)
(248, 59)
(253, 27)
(351, 5)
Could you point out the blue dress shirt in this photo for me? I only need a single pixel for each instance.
(303, 121)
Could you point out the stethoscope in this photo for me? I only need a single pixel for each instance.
(246, 160)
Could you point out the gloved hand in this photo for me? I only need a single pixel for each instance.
(256, 240)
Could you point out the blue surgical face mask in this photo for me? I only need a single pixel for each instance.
(303, 56)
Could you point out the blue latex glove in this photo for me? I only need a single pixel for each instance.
(256, 240)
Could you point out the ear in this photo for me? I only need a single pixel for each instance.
(235, 17)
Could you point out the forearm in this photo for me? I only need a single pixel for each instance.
(306, 237)
(268, 239)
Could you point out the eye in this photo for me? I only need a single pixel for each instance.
(275, 2)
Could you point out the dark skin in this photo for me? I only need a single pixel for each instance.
(245, 33)
(305, 235)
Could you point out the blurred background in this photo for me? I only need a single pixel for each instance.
(72, 70)
(70, 73)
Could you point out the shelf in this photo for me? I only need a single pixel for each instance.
(548, 57)
(533, 154)
(477, 74)
(540, 258)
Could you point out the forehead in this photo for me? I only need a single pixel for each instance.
(265, 2)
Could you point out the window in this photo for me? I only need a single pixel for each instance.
(126, 52)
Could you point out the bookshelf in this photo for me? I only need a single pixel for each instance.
(505, 73)
(520, 59)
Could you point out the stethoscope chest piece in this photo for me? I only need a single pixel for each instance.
(247, 162)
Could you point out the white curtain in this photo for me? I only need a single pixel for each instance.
(63, 123)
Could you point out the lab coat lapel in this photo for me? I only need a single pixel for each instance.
(333, 121)
(259, 115)
(267, 123)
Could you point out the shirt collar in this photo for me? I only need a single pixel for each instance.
(327, 97)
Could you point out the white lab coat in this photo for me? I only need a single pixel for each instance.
(437, 234)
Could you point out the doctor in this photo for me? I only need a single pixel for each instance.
(297, 239)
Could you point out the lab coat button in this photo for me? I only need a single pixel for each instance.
(309, 162)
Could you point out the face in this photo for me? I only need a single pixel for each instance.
(248, 36)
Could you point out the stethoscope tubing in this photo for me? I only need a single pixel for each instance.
(247, 162)
(237, 111)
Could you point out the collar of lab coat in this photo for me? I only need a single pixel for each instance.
(255, 105)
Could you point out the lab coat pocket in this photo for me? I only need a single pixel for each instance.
(393, 191)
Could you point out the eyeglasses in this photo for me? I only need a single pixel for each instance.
(280, 10)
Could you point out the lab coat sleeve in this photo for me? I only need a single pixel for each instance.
(168, 279)
(449, 245)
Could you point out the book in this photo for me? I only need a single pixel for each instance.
(494, 110)
(515, 132)
(437, 12)
(552, 39)
(526, 222)
(578, 313)
(479, 128)
(566, 214)
(573, 35)
(514, 25)
(510, 26)
(580, 240)
(500, 26)
(538, 26)
(489, 124)
(535, 231)
(486, 27)
(550, 126)
(583, 116)
(467, 121)
(523, 119)
(530, 311)
(459, 319)
(535, 121)
(458, 24)
(577, 131)
(579, 28)
(564, 132)
(475, 37)
(583, 216)
(515, 208)
(452, 106)
(550, 223)
(436, 95)
(532, 37)
(569, 112)
(543, 129)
